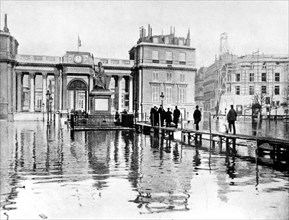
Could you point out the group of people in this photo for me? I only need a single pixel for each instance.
(231, 118)
(158, 116)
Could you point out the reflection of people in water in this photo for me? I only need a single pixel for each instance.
(99, 77)
(196, 158)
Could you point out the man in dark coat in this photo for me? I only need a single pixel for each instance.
(197, 117)
(153, 116)
(168, 118)
(232, 117)
(176, 115)
(162, 114)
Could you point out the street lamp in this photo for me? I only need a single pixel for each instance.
(162, 98)
(50, 106)
(48, 95)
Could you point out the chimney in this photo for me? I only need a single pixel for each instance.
(188, 40)
(140, 32)
(149, 31)
(6, 29)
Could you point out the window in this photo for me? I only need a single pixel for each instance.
(263, 89)
(238, 77)
(182, 58)
(169, 77)
(155, 56)
(263, 77)
(182, 94)
(251, 90)
(169, 94)
(182, 77)
(252, 66)
(277, 90)
(251, 77)
(169, 57)
(237, 90)
(155, 76)
(155, 93)
(277, 77)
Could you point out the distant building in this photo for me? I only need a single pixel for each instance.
(199, 88)
(163, 65)
(237, 81)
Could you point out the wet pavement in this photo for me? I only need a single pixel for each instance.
(48, 172)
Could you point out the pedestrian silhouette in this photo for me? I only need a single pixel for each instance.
(232, 117)
(176, 115)
(197, 117)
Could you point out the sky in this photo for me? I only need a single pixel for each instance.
(109, 29)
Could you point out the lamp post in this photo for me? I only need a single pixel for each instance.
(48, 95)
(50, 106)
(162, 98)
(43, 111)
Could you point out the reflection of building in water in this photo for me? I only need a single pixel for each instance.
(166, 177)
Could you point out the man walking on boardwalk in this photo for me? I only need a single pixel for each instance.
(176, 115)
(231, 117)
(197, 117)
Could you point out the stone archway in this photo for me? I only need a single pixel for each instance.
(77, 95)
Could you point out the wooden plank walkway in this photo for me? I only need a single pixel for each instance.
(277, 148)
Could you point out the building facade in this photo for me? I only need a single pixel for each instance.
(199, 88)
(163, 72)
(38, 84)
(241, 81)
(27, 80)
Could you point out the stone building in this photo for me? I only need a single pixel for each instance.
(163, 72)
(199, 88)
(32, 85)
(233, 80)
(27, 80)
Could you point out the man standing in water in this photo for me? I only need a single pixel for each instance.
(231, 117)
(197, 117)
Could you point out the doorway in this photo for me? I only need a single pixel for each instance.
(77, 95)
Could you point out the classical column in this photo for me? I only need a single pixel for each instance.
(19, 91)
(64, 90)
(32, 91)
(130, 95)
(91, 82)
(14, 89)
(44, 91)
(9, 93)
(119, 93)
(60, 91)
(140, 91)
(56, 89)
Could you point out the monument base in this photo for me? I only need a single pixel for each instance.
(100, 101)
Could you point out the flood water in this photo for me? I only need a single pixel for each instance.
(47, 172)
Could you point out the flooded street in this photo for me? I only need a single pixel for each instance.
(47, 172)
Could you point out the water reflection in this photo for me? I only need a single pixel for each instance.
(124, 174)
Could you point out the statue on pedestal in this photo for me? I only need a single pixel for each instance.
(99, 77)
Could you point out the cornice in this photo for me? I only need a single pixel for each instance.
(164, 67)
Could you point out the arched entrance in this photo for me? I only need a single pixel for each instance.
(77, 95)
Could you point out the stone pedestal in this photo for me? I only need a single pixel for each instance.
(100, 101)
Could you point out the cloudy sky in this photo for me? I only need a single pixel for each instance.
(109, 29)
